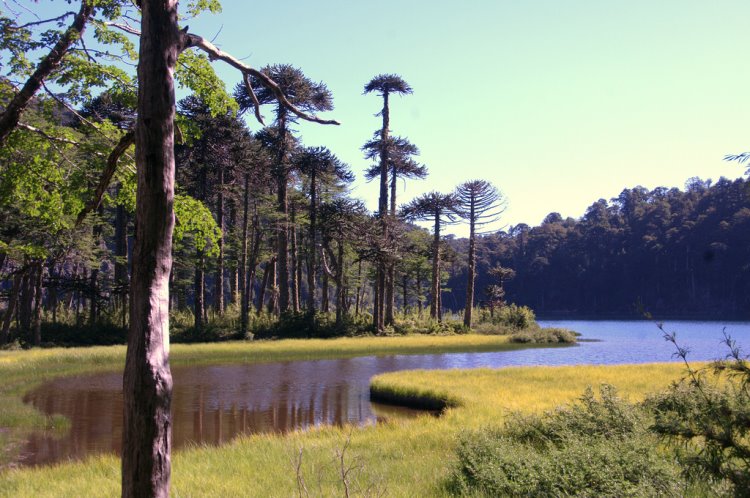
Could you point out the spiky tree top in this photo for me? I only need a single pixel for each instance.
(432, 206)
(323, 162)
(480, 202)
(388, 83)
(400, 151)
(302, 92)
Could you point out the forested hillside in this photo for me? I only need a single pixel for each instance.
(667, 251)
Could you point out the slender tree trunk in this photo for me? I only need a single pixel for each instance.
(24, 304)
(12, 300)
(147, 380)
(359, 288)
(435, 304)
(380, 279)
(282, 178)
(219, 278)
(340, 294)
(273, 287)
(121, 261)
(199, 290)
(312, 234)
(37, 316)
(419, 292)
(390, 291)
(294, 289)
(264, 284)
(405, 291)
(325, 303)
(244, 306)
(12, 113)
(468, 310)
(234, 295)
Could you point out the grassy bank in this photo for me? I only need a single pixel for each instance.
(402, 458)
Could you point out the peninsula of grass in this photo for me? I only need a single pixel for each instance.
(398, 458)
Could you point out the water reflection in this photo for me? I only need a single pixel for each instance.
(213, 404)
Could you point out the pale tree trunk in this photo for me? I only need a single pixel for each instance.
(199, 291)
(37, 320)
(147, 380)
(282, 255)
(12, 300)
(380, 277)
(312, 234)
(294, 291)
(244, 296)
(472, 268)
(219, 279)
(121, 263)
(435, 304)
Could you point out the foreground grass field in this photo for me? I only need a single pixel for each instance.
(403, 458)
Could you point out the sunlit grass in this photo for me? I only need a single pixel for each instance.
(401, 458)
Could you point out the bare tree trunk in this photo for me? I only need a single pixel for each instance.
(121, 261)
(472, 268)
(264, 284)
(12, 300)
(244, 303)
(359, 288)
(380, 278)
(435, 302)
(147, 380)
(37, 319)
(419, 293)
(282, 255)
(325, 303)
(405, 292)
(312, 235)
(25, 302)
(340, 293)
(234, 295)
(294, 289)
(273, 287)
(199, 290)
(219, 279)
(12, 113)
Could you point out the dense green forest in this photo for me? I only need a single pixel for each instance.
(672, 252)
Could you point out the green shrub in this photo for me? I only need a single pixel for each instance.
(517, 317)
(596, 447)
(538, 335)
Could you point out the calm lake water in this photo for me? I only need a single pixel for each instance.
(213, 404)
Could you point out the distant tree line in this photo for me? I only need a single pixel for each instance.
(667, 251)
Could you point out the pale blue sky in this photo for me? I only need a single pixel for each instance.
(558, 103)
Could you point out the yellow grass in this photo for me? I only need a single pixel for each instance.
(404, 458)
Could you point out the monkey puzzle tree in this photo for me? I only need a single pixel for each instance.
(384, 85)
(441, 209)
(307, 96)
(400, 165)
(320, 166)
(480, 203)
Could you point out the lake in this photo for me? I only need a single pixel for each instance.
(213, 404)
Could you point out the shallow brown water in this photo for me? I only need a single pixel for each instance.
(213, 404)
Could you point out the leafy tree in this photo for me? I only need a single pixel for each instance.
(441, 209)
(320, 166)
(307, 96)
(384, 85)
(480, 204)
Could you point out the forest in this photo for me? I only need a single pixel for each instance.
(146, 201)
(674, 253)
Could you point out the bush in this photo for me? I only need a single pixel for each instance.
(517, 317)
(538, 335)
(596, 447)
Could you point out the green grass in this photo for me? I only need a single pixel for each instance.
(401, 458)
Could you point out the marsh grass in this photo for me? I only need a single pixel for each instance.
(405, 458)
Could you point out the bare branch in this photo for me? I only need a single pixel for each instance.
(124, 27)
(43, 21)
(12, 113)
(126, 141)
(46, 135)
(251, 92)
(214, 53)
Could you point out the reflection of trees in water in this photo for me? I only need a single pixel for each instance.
(213, 404)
